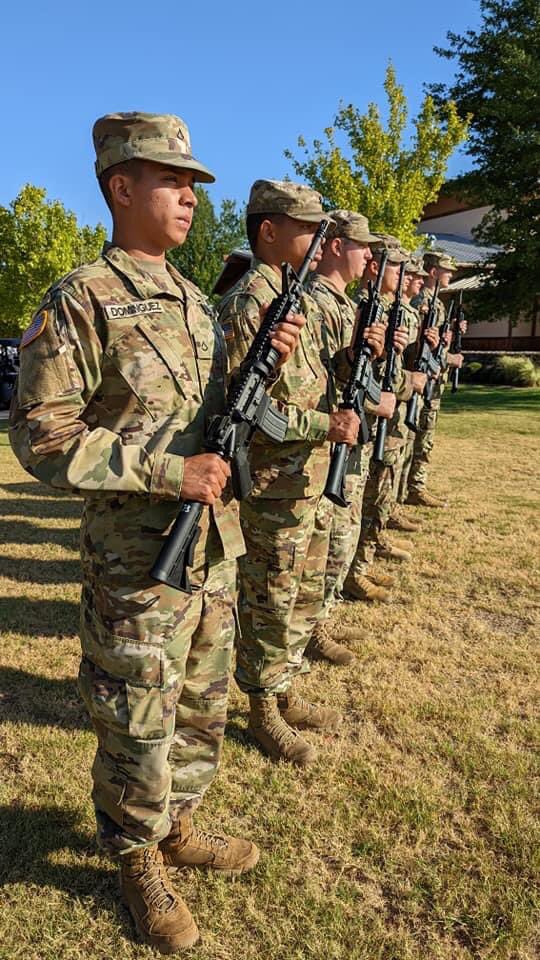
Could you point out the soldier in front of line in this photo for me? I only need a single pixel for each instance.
(120, 371)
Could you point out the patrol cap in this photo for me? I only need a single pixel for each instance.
(415, 266)
(162, 138)
(438, 258)
(282, 196)
(351, 225)
(386, 241)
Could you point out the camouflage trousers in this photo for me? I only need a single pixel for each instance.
(377, 506)
(423, 445)
(344, 525)
(281, 591)
(403, 468)
(154, 676)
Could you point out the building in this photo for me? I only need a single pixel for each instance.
(452, 221)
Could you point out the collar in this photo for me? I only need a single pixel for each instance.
(327, 282)
(147, 285)
(269, 275)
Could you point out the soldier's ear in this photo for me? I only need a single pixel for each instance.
(267, 232)
(121, 189)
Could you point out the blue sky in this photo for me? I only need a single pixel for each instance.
(247, 78)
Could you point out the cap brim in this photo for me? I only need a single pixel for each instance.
(311, 217)
(200, 173)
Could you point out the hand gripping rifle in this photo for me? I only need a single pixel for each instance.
(438, 354)
(248, 409)
(457, 345)
(361, 384)
(394, 322)
(425, 362)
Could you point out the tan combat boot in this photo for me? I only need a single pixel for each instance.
(304, 715)
(399, 550)
(186, 846)
(322, 647)
(421, 498)
(161, 917)
(273, 734)
(348, 631)
(398, 521)
(361, 588)
(381, 579)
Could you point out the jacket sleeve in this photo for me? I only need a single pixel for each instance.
(60, 372)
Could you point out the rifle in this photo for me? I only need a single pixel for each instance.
(457, 345)
(425, 362)
(248, 408)
(394, 321)
(438, 354)
(361, 384)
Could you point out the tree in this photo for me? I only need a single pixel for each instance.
(39, 242)
(200, 259)
(498, 82)
(377, 175)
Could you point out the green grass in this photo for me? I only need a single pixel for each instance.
(413, 837)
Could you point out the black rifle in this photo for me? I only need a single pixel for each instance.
(248, 409)
(425, 362)
(457, 345)
(395, 319)
(439, 355)
(361, 384)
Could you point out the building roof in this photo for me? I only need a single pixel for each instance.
(467, 283)
(465, 252)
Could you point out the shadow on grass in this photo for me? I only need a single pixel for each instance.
(30, 838)
(485, 399)
(27, 570)
(42, 509)
(34, 488)
(23, 531)
(28, 698)
(51, 618)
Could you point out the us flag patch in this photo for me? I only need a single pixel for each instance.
(36, 327)
(227, 328)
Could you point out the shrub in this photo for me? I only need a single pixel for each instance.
(514, 372)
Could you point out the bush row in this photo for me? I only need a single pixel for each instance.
(510, 371)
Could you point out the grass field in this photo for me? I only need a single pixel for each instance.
(415, 836)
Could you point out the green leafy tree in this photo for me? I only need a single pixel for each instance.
(498, 82)
(211, 237)
(376, 173)
(39, 242)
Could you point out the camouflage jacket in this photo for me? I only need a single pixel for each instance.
(424, 297)
(119, 373)
(297, 468)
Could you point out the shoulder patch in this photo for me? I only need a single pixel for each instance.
(227, 329)
(36, 327)
(115, 311)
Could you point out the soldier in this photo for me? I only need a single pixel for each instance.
(120, 368)
(344, 258)
(378, 496)
(282, 578)
(439, 267)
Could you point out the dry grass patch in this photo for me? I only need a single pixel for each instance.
(413, 837)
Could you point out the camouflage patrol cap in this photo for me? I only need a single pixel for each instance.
(162, 138)
(415, 266)
(282, 196)
(353, 226)
(438, 258)
(385, 241)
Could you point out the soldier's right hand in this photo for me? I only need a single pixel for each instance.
(385, 408)
(344, 426)
(205, 477)
(432, 337)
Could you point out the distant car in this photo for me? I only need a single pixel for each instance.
(9, 368)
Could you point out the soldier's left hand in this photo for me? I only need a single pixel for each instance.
(375, 336)
(432, 337)
(455, 360)
(285, 335)
(463, 326)
(447, 337)
(401, 339)
(419, 381)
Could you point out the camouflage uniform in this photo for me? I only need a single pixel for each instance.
(427, 421)
(120, 371)
(412, 321)
(379, 491)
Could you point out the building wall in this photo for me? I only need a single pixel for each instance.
(460, 223)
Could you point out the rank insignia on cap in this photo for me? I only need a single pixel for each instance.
(36, 327)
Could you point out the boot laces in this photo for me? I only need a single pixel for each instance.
(212, 840)
(154, 883)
